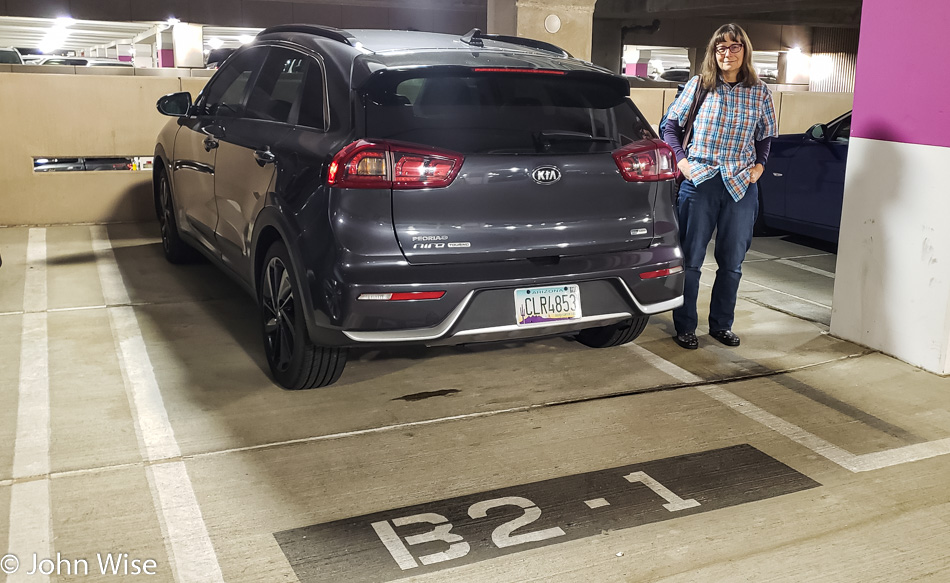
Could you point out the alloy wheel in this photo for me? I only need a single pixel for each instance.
(279, 315)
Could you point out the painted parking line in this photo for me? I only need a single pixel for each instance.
(399, 543)
(195, 560)
(29, 530)
(852, 462)
(746, 280)
(790, 261)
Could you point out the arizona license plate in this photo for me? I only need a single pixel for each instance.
(560, 303)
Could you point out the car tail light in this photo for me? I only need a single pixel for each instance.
(646, 161)
(403, 296)
(661, 272)
(378, 164)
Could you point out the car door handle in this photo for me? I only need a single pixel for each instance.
(210, 144)
(264, 157)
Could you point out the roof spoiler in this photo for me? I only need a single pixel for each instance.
(328, 32)
(475, 38)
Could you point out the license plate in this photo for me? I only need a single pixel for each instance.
(536, 305)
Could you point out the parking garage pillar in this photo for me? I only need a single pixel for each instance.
(567, 24)
(892, 288)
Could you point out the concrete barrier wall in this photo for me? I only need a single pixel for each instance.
(73, 113)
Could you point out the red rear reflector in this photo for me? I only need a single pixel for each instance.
(661, 272)
(646, 161)
(513, 70)
(403, 296)
(365, 164)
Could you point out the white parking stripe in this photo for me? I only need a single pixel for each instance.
(187, 535)
(29, 527)
(29, 500)
(855, 463)
(34, 291)
(113, 288)
(804, 267)
(791, 263)
(771, 289)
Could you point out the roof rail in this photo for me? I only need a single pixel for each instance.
(329, 32)
(528, 42)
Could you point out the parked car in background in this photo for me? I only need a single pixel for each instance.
(82, 62)
(10, 56)
(400, 187)
(675, 75)
(81, 164)
(802, 188)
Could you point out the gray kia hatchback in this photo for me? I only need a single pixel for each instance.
(394, 187)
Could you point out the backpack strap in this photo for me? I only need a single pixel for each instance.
(698, 97)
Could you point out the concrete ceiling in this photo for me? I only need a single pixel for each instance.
(82, 34)
(831, 13)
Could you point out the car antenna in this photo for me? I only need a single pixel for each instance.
(474, 38)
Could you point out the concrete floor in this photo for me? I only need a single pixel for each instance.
(135, 417)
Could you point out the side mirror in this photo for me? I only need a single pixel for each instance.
(818, 132)
(175, 104)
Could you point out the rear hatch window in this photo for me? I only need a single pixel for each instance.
(491, 112)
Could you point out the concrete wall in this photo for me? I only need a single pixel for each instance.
(51, 115)
(892, 289)
(796, 111)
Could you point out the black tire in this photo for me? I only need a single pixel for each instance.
(613, 335)
(295, 362)
(176, 250)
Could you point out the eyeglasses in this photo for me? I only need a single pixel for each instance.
(721, 50)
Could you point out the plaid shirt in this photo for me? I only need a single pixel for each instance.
(729, 122)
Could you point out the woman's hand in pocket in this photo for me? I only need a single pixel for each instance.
(756, 173)
(683, 165)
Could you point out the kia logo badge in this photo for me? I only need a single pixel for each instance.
(546, 175)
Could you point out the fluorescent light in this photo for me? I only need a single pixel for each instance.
(215, 43)
(245, 38)
(56, 36)
(822, 67)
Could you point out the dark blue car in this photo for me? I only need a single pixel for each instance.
(803, 185)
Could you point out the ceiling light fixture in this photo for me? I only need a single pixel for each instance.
(215, 43)
(56, 36)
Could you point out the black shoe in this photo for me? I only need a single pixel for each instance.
(687, 341)
(726, 337)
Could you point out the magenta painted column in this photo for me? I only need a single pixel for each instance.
(166, 57)
(892, 284)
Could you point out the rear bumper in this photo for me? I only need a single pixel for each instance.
(453, 331)
(479, 305)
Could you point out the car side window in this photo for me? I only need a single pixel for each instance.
(312, 102)
(843, 131)
(277, 88)
(225, 96)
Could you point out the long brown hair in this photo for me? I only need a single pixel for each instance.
(710, 69)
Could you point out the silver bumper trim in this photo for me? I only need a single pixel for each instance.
(414, 334)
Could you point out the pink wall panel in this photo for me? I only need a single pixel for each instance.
(902, 90)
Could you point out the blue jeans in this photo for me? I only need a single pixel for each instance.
(701, 209)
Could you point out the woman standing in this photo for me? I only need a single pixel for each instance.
(732, 132)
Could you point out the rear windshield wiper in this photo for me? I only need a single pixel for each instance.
(566, 136)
